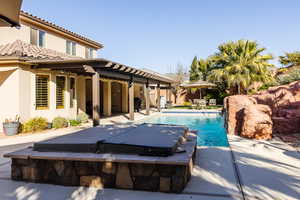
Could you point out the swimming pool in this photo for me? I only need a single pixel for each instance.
(210, 127)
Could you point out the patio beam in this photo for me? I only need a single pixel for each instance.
(96, 98)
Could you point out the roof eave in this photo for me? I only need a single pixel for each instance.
(28, 18)
(131, 70)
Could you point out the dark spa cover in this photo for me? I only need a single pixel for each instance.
(143, 139)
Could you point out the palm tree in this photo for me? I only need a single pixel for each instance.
(239, 64)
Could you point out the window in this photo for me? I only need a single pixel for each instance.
(68, 49)
(33, 36)
(42, 38)
(37, 37)
(72, 92)
(89, 52)
(42, 92)
(60, 91)
(71, 48)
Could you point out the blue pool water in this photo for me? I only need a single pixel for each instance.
(211, 131)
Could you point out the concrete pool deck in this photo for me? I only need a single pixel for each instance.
(267, 169)
(248, 169)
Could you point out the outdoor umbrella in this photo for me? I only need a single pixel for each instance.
(9, 12)
(198, 85)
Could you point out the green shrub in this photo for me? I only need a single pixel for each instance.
(74, 122)
(59, 122)
(82, 117)
(289, 77)
(35, 124)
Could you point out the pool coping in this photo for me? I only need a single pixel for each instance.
(189, 111)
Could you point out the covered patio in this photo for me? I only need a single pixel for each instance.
(107, 88)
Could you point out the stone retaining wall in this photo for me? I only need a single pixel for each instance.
(150, 177)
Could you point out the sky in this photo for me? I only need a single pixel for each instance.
(159, 34)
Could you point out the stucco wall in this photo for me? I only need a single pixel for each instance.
(17, 89)
(9, 34)
(9, 93)
(52, 41)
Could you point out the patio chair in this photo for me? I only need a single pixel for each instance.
(201, 103)
(212, 102)
(196, 101)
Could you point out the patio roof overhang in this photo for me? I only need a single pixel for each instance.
(9, 13)
(105, 68)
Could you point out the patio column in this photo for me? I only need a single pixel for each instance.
(167, 94)
(125, 98)
(96, 98)
(107, 98)
(170, 93)
(147, 98)
(158, 97)
(131, 100)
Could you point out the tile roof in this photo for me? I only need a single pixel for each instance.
(24, 50)
(36, 55)
(40, 20)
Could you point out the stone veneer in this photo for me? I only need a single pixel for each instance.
(104, 174)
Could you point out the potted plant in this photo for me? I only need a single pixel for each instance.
(11, 126)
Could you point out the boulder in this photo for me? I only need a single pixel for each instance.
(257, 122)
(284, 102)
(234, 106)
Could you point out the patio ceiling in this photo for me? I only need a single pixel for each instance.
(9, 12)
(105, 68)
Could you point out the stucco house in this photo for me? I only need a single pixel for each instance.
(48, 71)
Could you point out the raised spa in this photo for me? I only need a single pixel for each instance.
(153, 157)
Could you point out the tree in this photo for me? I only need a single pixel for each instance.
(179, 76)
(199, 69)
(239, 64)
(290, 58)
(194, 70)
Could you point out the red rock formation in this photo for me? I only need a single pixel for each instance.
(234, 106)
(257, 122)
(283, 102)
